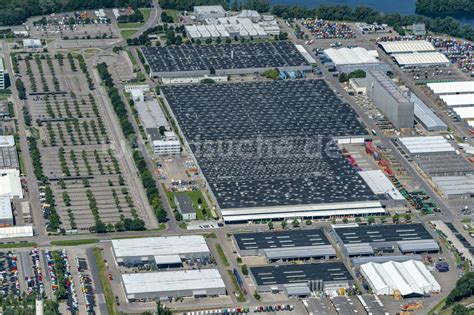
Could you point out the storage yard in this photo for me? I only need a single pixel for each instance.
(234, 163)
(225, 59)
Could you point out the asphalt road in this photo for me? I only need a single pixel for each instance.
(124, 154)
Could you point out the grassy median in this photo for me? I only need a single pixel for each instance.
(18, 245)
(222, 256)
(104, 281)
(74, 242)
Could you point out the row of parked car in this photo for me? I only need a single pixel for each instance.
(244, 310)
(86, 284)
(35, 284)
(9, 274)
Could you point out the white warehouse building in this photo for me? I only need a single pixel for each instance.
(170, 250)
(209, 12)
(411, 278)
(166, 284)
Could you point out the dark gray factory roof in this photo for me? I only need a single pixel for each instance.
(268, 143)
(382, 233)
(291, 274)
(184, 203)
(296, 238)
(226, 56)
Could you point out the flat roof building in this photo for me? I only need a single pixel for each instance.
(9, 158)
(356, 240)
(347, 60)
(456, 186)
(464, 112)
(2, 75)
(16, 231)
(286, 113)
(166, 284)
(185, 206)
(458, 100)
(383, 187)
(408, 46)
(7, 141)
(301, 279)
(423, 114)
(411, 278)
(31, 43)
(204, 12)
(359, 85)
(285, 245)
(456, 87)
(166, 147)
(6, 213)
(425, 59)
(10, 183)
(144, 250)
(390, 100)
(426, 145)
(372, 304)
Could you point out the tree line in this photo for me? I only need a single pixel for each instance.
(13, 12)
(146, 176)
(446, 25)
(443, 7)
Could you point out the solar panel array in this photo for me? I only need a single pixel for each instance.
(226, 56)
(288, 274)
(383, 233)
(258, 144)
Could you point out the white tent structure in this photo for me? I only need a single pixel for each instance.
(410, 278)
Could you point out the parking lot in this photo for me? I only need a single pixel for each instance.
(68, 27)
(9, 273)
(83, 167)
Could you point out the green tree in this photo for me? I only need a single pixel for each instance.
(270, 225)
(407, 217)
(257, 296)
(371, 220)
(245, 270)
(235, 5)
(161, 309)
(295, 222)
(283, 224)
(309, 222)
(396, 218)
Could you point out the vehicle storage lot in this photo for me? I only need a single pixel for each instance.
(81, 164)
(55, 28)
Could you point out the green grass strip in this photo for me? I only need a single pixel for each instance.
(104, 281)
(241, 296)
(18, 245)
(74, 242)
(220, 251)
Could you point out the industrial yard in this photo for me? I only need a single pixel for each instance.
(216, 161)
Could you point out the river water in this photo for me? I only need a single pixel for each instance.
(388, 6)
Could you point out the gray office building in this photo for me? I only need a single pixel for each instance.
(388, 98)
